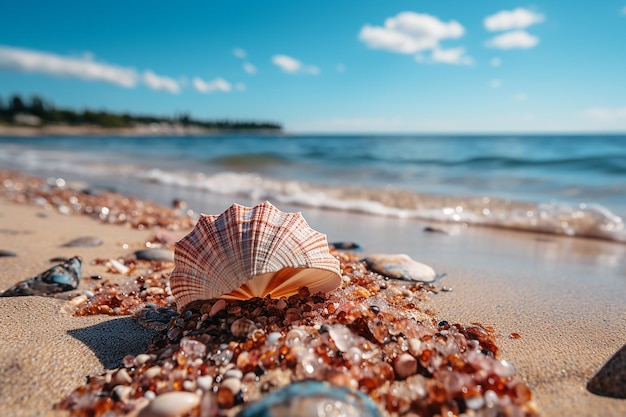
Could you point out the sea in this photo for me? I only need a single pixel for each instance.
(571, 185)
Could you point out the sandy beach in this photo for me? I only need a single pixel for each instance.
(563, 296)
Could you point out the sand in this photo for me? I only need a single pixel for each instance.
(565, 297)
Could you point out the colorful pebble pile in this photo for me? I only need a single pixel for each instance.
(369, 336)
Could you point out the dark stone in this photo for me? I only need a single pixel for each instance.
(610, 380)
(155, 254)
(84, 242)
(345, 245)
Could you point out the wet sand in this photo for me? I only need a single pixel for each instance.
(563, 296)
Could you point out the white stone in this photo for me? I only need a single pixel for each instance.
(171, 404)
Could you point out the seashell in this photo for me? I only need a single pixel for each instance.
(249, 252)
(59, 278)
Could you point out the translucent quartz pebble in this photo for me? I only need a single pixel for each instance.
(171, 404)
(401, 267)
(342, 336)
(155, 254)
(242, 327)
(192, 348)
(610, 380)
(312, 399)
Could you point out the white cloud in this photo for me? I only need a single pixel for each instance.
(514, 39)
(410, 32)
(519, 97)
(341, 67)
(454, 56)
(239, 53)
(293, 66)
(512, 19)
(495, 83)
(240, 87)
(218, 84)
(157, 82)
(24, 60)
(605, 114)
(249, 68)
(624, 11)
(495, 62)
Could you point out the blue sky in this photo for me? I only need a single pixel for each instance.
(329, 66)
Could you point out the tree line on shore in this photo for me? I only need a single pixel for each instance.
(39, 112)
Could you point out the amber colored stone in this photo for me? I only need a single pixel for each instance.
(385, 372)
(225, 398)
(303, 293)
(514, 336)
(437, 392)
(103, 405)
(368, 383)
(522, 393)
(455, 362)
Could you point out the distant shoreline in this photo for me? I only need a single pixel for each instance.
(139, 130)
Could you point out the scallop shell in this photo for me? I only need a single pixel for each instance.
(249, 252)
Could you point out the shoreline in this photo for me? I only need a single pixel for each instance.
(140, 130)
(561, 295)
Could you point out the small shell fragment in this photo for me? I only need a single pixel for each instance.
(401, 267)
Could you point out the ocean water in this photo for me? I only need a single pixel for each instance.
(573, 185)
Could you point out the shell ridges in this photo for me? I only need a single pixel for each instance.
(251, 252)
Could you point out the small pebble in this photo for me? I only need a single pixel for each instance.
(233, 384)
(141, 359)
(405, 365)
(217, 307)
(415, 346)
(6, 253)
(84, 242)
(204, 382)
(233, 373)
(122, 377)
(154, 254)
(345, 245)
(171, 404)
(122, 392)
(242, 327)
(273, 338)
(153, 372)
